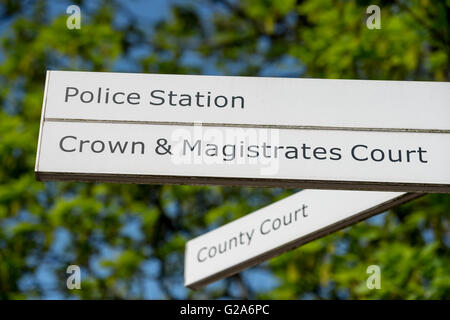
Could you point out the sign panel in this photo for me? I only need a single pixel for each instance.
(386, 161)
(279, 227)
(253, 101)
(308, 133)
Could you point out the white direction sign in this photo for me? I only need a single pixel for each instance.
(308, 133)
(279, 227)
(253, 101)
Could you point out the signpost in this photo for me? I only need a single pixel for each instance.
(308, 133)
(243, 131)
(279, 227)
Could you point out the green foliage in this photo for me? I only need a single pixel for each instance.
(129, 238)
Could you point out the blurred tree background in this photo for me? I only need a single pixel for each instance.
(129, 239)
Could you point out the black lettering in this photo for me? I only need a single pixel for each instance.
(408, 152)
(185, 100)
(290, 219)
(171, 95)
(102, 146)
(292, 150)
(224, 247)
(99, 94)
(225, 101)
(318, 152)
(114, 98)
(278, 221)
(157, 97)
(91, 95)
(235, 242)
(133, 96)
(241, 241)
(276, 150)
(304, 210)
(198, 254)
(137, 143)
(254, 150)
(196, 144)
(198, 96)
(399, 158)
(70, 95)
(214, 252)
(61, 143)
(304, 148)
(81, 144)
(336, 152)
(420, 151)
(229, 156)
(211, 150)
(262, 225)
(237, 98)
(118, 145)
(353, 152)
(265, 147)
(374, 151)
